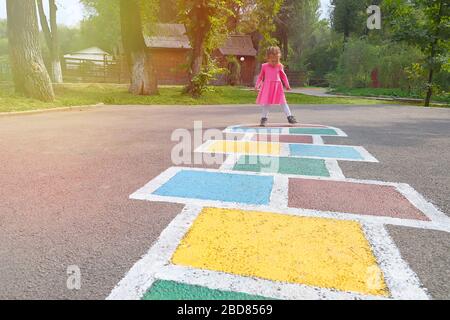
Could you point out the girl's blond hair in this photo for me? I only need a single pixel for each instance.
(273, 51)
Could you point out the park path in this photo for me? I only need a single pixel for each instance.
(279, 220)
(316, 92)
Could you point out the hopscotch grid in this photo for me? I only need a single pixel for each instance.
(373, 227)
(428, 209)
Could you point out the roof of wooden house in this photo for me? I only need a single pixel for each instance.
(168, 35)
(238, 45)
(173, 36)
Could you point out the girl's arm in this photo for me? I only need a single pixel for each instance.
(284, 78)
(260, 78)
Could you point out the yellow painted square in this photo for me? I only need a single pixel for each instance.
(318, 252)
(246, 147)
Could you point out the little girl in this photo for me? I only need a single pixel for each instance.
(271, 80)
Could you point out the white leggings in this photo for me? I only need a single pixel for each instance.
(266, 110)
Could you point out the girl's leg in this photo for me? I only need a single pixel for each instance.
(287, 110)
(265, 111)
(290, 117)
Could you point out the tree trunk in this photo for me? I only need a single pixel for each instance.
(200, 15)
(51, 38)
(198, 54)
(29, 73)
(143, 75)
(56, 62)
(433, 55)
(285, 46)
(57, 74)
(430, 88)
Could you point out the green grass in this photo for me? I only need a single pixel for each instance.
(88, 94)
(390, 92)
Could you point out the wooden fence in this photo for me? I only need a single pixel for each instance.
(95, 71)
(296, 78)
(5, 72)
(81, 70)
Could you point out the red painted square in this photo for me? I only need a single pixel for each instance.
(283, 138)
(347, 197)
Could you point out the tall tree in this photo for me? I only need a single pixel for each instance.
(143, 75)
(296, 23)
(426, 25)
(29, 73)
(51, 37)
(101, 25)
(283, 24)
(349, 16)
(266, 12)
(206, 25)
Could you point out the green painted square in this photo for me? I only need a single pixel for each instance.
(283, 165)
(313, 131)
(171, 290)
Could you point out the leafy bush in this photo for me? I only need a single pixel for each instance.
(355, 64)
(234, 70)
(398, 67)
(199, 83)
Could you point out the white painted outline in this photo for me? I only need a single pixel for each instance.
(334, 169)
(285, 151)
(284, 130)
(438, 220)
(318, 140)
(402, 282)
(254, 286)
(142, 275)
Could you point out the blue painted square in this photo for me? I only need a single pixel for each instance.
(258, 130)
(341, 152)
(216, 186)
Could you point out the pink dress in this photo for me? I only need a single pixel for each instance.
(272, 79)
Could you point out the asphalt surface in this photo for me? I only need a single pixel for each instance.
(66, 178)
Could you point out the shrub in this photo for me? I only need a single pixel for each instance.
(234, 70)
(355, 64)
(398, 67)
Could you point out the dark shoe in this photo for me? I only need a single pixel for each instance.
(292, 120)
(263, 122)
